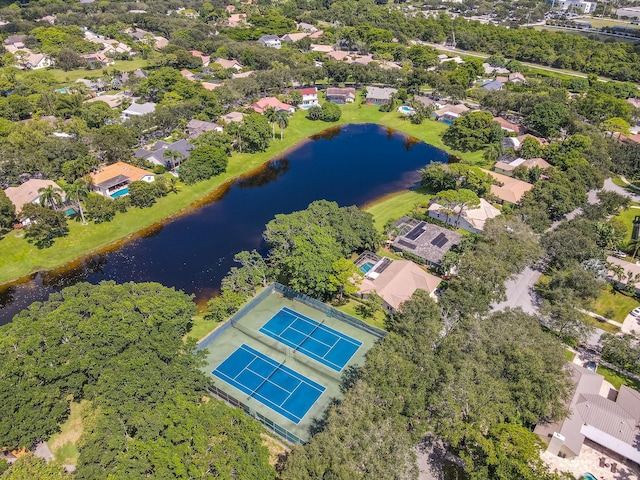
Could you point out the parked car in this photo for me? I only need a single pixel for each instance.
(592, 366)
(636, 312)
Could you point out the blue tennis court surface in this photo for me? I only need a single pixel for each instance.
(324, 344)
(271, 383)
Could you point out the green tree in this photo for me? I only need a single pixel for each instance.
(7, 212)
(549, 117)
(30, 466)
(283, 122)
(114, 142)
(530, 148)
(99, 208)
(457, 201)
(346, 278)
(144, 194)
(272, 115)
(45, 224)
(473, 131)
(330, 112)
(50, 195)
(203, 163)
(76, 192)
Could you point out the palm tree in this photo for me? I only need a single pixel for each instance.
(493, 152)
(173, 155)
(272, 116)
(50, 195)
(172, 185)
(283, 122)
(76, 192)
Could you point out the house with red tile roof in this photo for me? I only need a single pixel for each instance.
(309, 97)
(206, 59)
(266, 103)
(508, 126)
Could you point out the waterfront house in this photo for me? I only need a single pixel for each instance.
(508, 189)
(195, 128)
(449, 113)
(28, 192)
(169, 155)
(423, 242)
(309, 97)
(113, 180)
(507, 168)
(341, 95)
(266, 103)
(379, 96)
(472, 220)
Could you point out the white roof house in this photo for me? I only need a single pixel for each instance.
(139, 109)
(471, 220)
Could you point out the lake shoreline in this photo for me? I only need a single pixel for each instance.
(218, 191)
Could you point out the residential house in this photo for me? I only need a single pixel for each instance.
(227, 64)
(272, 41)
(26, 58)
(516, 142)
(28, 192)
(232, 117)
(379, 96)
(634, 102)
(610, 422)
(236, 19)
(266, 103)
(309, 97)
(517, 78)
(508, 126)
(306, 27)
(188, 75)
(293, 37)
(138, 109)
(205, 58)
(423, 241)
(449, 113)
(507, 168)
(168, 155)
(97, 60)
(195, 128)
(508, 189)
(113, 101)
(493, 85)
(425, 101)
(13, 39)
(395, 281)
(471, 220)
(113, 180)
(337, 55)
(321, 48)
(341, 95)
(211, 86)
(242, 74)
(633, 138)
(494, 70)
(623, 273)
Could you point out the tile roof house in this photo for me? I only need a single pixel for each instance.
(114, 178)
(242, 74)
(396, 280)
(272, 41)
(293, 37)
(341, 95)
(510, 190)
(493, 70)
(307, 27)
(309, 97)
(379, 96)
(612, 424)
(471, 220)
(264, 104)
(517, 78)
(195, 128)
(205, 58)
(449, 113)
(227, 64)
(232, 117)
(28, 192)
(508, 126)
(321, 48)
(169, 155)
(337, 55)
(424, 241)
(630, 270)
(507, 168)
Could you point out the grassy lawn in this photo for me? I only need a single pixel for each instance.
(614, 305)
(616, 379)
(395, 205)
(627, 216)
(73, 75)
(606, 326)
(607, 22)
(569, 355)
(18, 258)
(201, 328)
(618, 181)
(63, 444)
(350, 308)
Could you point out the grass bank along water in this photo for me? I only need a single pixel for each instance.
(353, 164)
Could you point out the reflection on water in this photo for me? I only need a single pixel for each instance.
(351, 165)
(328, 134)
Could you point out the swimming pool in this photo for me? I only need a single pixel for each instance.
(119, 193)
(406, 110)
(70, 211)
(365, 267)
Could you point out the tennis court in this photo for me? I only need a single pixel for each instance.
(313, 339)
(272, 383)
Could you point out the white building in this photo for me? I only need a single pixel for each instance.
(309, 97)
(584, 7)
(138, 109)
(471, 220)
(272, 41)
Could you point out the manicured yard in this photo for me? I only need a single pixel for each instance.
(201, 328)
(120, 65)
(396, 205)
(63, 444)
(616, 379)
(614, 305)
(350, 308)
(606, 326)
(626, 217)
(19, 258)
(569, 355)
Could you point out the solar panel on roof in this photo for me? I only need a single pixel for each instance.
(416, 232)
(383, 265)
(440, 240)
(406, 244)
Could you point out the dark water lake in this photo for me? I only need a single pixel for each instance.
(351, 165)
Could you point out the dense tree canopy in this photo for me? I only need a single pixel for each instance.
(472, 132)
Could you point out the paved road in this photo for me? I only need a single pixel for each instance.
(520, 292)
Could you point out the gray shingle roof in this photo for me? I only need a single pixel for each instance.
(430, 245)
